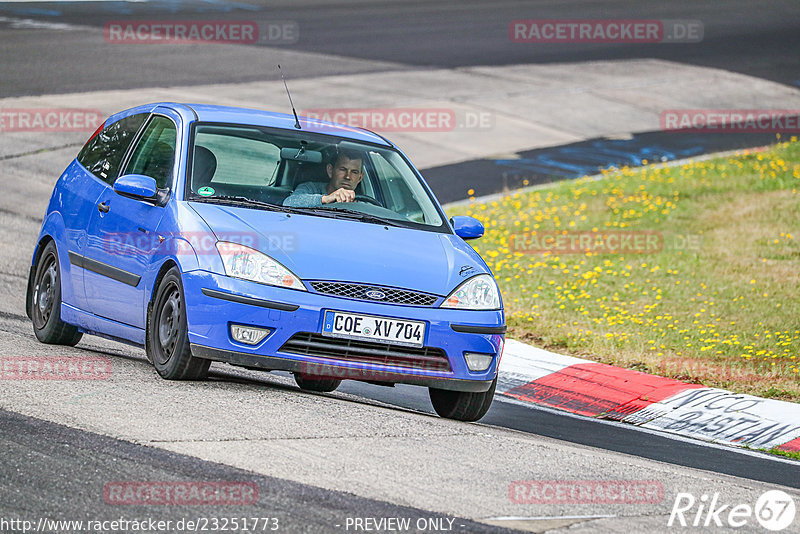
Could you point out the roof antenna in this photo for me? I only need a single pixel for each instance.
(296, 120)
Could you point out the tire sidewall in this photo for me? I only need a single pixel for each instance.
(169, 366)
(47, 330)
(316, 384)
(462, 405)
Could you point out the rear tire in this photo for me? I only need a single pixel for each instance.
(462, 405)
(320, 385)
(45, 302)
(167, 339)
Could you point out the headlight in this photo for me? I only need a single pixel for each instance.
(244, 262)
(477, 293)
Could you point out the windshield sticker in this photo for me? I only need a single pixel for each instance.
(205, 191)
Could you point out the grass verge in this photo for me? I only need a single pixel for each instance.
(788, 454)
(690, 271)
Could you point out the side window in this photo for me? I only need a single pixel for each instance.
(240, 161)
(102, 155)
(154, 155)
(396, 193)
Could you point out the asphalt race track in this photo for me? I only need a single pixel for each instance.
(90, 458)
(319, 461)
(394, 34)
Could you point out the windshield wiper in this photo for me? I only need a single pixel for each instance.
(342, 213)
(332, 213)
(235, 199)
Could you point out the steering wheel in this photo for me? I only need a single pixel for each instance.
(368, 200)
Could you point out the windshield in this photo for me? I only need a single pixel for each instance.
(310, 173)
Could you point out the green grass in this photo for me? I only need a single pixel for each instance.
(714, 301)
(788, 454)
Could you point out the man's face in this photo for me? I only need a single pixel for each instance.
(346, 174)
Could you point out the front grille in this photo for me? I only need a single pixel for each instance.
(351, 350)
(391, 295)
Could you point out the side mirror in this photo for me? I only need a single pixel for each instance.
(467, 227)
(137, 186)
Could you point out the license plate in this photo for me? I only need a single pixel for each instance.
(371, 328)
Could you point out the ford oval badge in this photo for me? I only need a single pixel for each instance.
(374, 294)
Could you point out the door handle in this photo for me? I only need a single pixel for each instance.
(103, 207)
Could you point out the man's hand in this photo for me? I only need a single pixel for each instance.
(340, 195)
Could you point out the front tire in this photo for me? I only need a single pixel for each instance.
(462, 405)
(167, 339)
(320, 385)
(45, 302)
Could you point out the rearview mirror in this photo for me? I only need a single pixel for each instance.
(136, 185)
(301, 154)
(467, 227)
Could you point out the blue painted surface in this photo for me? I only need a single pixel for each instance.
(207, 328)
(575, 161)
(136, 185)
(467, 227)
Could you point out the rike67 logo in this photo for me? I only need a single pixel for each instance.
(774, 510)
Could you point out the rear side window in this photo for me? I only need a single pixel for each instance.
(103, 154)
(154, 155)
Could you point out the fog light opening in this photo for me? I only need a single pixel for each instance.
(478, 362)
(249, 335)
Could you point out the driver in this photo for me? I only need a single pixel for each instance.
(344, 174)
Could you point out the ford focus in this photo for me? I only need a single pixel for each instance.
(216, 234)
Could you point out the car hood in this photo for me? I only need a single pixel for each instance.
(322, 248)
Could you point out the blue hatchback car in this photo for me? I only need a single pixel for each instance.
(208, 233)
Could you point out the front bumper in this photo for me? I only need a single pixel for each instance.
(214, 302)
